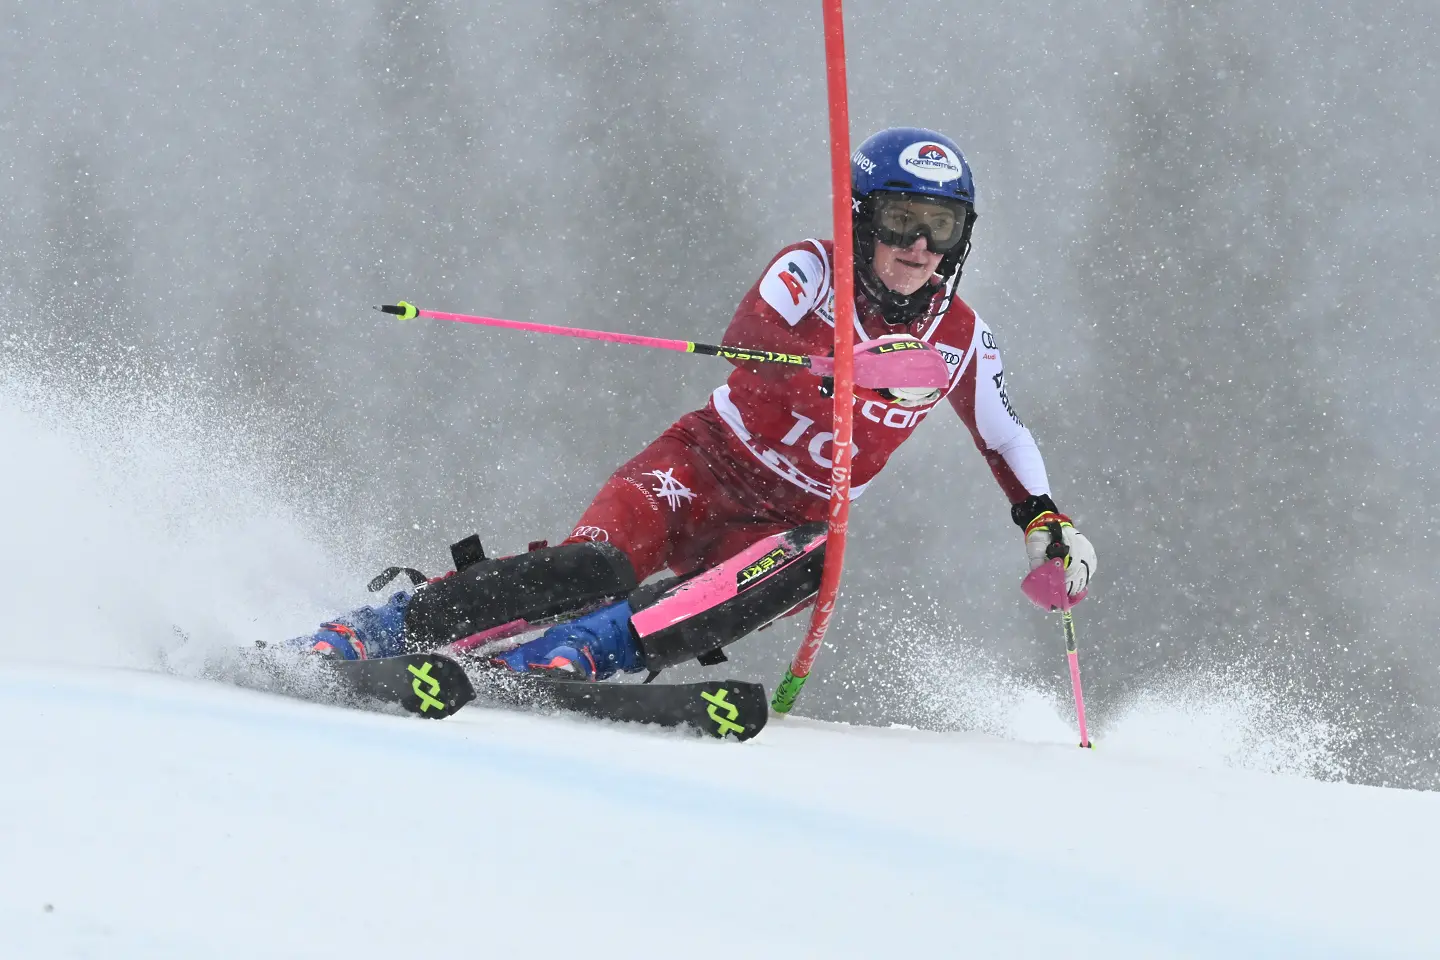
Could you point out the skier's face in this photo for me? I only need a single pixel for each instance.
(905, 269)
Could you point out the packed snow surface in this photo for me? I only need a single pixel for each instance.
(152, 816)
(148, 815)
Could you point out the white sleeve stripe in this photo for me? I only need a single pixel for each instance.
(995, 420)
(940, 317)
(1023, 458)
(825, 280)
(960, 370)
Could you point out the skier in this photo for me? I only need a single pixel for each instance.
(733, 497)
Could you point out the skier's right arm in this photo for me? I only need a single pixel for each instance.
(984, 405)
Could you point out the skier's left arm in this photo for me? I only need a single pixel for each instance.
(984, 404)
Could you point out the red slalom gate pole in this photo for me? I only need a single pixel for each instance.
(804, 659)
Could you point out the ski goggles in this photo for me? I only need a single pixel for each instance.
(900, 219)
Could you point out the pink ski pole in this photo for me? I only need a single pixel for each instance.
(1073, 654)
(905, 363)
(1045, 586)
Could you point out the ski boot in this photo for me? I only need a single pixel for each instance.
(593, 647)
(364, 634)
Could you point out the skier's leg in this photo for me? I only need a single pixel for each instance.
(647, 509)
(629, 531)
(666, 623)
(592, 647)
(361, 634)
(697, 616)
(654, 505)
(528, 588)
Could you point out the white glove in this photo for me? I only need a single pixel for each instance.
(1078, 552)
(907, 396)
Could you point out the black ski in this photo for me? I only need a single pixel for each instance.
(720, 708)
(433, 685)
(425, 684)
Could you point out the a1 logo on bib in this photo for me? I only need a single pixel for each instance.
(931, 161)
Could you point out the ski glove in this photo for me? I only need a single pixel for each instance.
(908, 396)
(904, 396)
(911, 396)
(1041, 544)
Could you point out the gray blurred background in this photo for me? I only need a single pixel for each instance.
(1207, 245)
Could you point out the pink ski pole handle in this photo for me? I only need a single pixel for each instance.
(1045, 586)
(878, 364)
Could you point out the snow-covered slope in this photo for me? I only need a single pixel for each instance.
(151, 816)
(148, 816)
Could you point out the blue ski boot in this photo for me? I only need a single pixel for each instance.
(593, 647)
(365, 634)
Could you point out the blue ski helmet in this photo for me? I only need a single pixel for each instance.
(918, 164)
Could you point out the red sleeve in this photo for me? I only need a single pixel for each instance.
(962, 398)
(759, 325)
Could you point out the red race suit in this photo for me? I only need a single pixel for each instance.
(756, 459)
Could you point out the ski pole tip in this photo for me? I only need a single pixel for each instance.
(403, 310)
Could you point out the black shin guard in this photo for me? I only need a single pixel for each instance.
(534, 587)
(696, 616)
